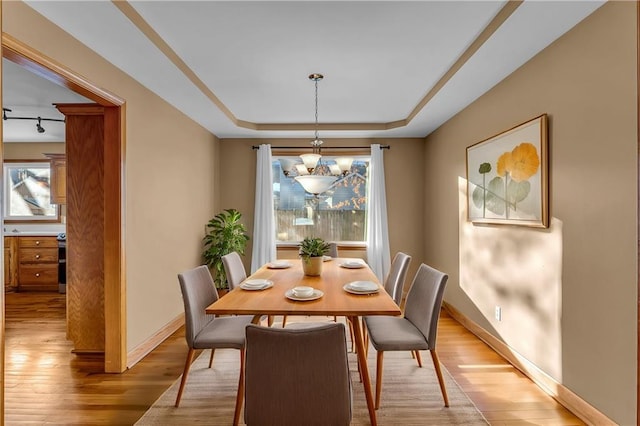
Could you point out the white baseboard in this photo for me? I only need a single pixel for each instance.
(143, 349)
(564, 396)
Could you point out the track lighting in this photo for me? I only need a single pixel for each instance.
(39, 127)
(39, 120)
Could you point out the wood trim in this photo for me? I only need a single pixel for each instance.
(47, 68)
(2, 266)
(143, 349)
(495, 23)
(560, 393)
(137, 20)
(638, 209)
(114, 277)
(155, 38)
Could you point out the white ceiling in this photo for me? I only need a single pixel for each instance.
(241, 62)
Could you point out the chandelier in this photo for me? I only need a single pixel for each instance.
(311, 174)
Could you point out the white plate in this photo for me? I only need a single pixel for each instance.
(279, 264)
(264, 285)
(352, 265)
(326, 258)
(363, 285)
(317, 294)
(352, 291)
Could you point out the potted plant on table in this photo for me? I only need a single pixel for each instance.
(225, 234)
(311, 251)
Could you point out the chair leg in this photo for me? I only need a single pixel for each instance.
(378, 378)
(436, 364)
(365, 332)
(284, 321)
(352, 336)
(418, 359)
(211, 359)
(269, 320)
(185, 373)
(240, 395)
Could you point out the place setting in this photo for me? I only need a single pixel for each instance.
(352, 264)
(303, 293)
(279, 264)
(361, 287)
(256, 284)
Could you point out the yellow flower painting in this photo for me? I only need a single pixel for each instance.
(507, 179)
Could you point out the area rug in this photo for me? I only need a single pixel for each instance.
(410, 395)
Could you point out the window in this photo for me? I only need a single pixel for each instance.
(336, 215)
(27, 192)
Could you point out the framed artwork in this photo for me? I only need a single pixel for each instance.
(507, 177)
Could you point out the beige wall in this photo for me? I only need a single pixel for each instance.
(169, 177)
(31, 150)
(569, 293)
(403, 173)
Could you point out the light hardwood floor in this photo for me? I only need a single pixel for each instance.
(46, 383)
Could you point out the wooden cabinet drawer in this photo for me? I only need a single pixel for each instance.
(37, 263)
(45, 274)
(38, 255)
(38, 242)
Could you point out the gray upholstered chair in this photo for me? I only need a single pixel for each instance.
(235, 272)
(234, 269)
(394, 284)
(297, 376)
(417, 330)
(333, 250)
(204, 331)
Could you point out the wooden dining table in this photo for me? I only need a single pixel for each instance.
(335, 301)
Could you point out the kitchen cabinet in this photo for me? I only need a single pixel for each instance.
(58, 164)
(37, 263)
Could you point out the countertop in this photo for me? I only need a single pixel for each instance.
(33, 230)
(31, 234)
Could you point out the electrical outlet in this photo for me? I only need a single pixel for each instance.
(498, 313)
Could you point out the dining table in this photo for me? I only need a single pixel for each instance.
(333, 296)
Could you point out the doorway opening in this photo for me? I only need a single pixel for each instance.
(112, 144)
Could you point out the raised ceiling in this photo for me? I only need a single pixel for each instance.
(239, 68)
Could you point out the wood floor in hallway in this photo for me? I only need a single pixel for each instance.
(46, 383)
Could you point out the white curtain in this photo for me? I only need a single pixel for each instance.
(264, 224)
(378, 255)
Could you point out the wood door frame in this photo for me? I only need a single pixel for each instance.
(638, 209)
(114, 276)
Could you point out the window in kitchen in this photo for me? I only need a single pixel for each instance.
(27, 192)
(335, 215)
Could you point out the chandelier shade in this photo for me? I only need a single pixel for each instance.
(344, 164)
(310, 161)
(315, 184)
(287, 164)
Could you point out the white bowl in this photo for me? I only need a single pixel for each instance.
(303, 291)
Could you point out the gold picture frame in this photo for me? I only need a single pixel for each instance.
(507, 177)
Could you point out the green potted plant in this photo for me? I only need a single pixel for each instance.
(312, 249)
(225, 234)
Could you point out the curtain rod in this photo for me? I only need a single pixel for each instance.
(326, 147)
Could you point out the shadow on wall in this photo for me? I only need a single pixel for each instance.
(518, 271)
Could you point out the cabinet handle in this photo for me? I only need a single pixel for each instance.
(37, 256)
(37, 274)
(37, 243)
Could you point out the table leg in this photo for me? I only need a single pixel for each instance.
(364, 370)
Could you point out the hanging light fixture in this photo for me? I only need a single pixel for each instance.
(313, 182)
